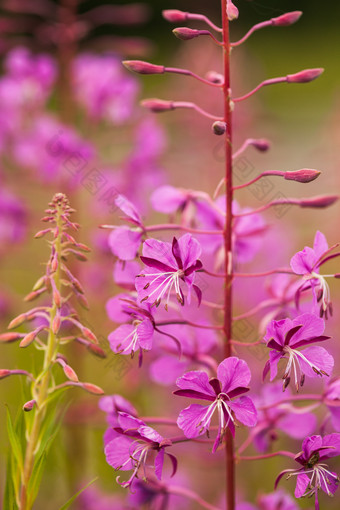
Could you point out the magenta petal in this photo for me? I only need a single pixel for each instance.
(297, 426)
(154, 249)
(302, 482)
(244, 410)
(190, 250)
(274, 358)
(333, 441)
(319, 357)
(197, 381)
(120, 339)
(125, 242)
(118, 453)
(335, 414)
(128, 208)
(124, 273)
(167, 369)
(189, 420)
(159, 461)
(310, 445)
(145, 331)
(312, 326)
(303, 261)
(167, 199)
(115, 308)
(150, 434)
(320, 244)
(128, 422)
(233, 373)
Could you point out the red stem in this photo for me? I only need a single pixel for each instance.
(227, 325)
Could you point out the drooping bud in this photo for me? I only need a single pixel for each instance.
(141, 67)
(92, 388)
(4, 373)
(158, 105)
(96, 350)
(219, 127)
(28, 406)
(287, 19)
(319, 201)
(11, 337)
(17, 321)
(41, 233)
(30, 337)
(305, 76)
(185, 33)
(232, 11)
(56, 322)
(70, 373)
(39, 283)
(34, 295)
(89, 335)
(174, 15)
(261, 144)
(214, 77)
(303, 175)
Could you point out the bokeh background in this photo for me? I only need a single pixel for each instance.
(134, 153)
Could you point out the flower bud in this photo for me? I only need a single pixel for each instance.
(39, 283)
(287, 19)
(83, 301)
(185, 34)
(232, 11)
(305, 76)
(89, 335)
(319, 202)
(219, 127)
(4, 373)
(303, 175)
(30, 337)
(70, 373)
(56, 323)
(17, 321)
(138, 66)
(83, 247)
(92, 388)
(34, 295)
(29, 405)
(96, 350)
(261, 144)
(175, 16)
(10, 337)
(215, 77)
(158, 105)
(41, 233)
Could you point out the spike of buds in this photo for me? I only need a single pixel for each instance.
(185, 33)
(219, 127)
(141, 67)
(28, 406)
(232, 11)
(286, 19)
(158, 105)
(11, 337)
(319, 201)
(305, 76)
(174, 15)
(303, 175)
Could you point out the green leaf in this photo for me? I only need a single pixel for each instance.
(9, 493)
(15, 441)
(71, 500)
(35, 480)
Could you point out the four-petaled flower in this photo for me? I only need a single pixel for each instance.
(284, 338)
(131, 449)
(168, 265)
(307, 263)
(233, 377)
(314, 473)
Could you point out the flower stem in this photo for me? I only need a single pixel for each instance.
(230, 464)
(40, 390)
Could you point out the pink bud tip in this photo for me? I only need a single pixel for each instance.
(4, 373)
(214, 77)
(89, 335)
(97, 351)
(219, 127)
(337, 275)
(138, 66)
(261, 144)
(70, 373)
(92, 388)
(17, 321)
(320, 201)
(305, 76)
(10, 337)
(158, 105)
(232, 11)
(185, 34)
(29, 405)
(175, 16)
(28, 339)
(287, 19)
(303, 175)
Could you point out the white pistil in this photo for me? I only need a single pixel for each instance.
(171, 280)
(293, 361)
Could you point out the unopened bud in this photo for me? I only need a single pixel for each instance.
(303, 175)
(57, 298)
(83, 247)
(96, 350)
(83, 301)
(214, 77)
(261, 144)
(54, 263)
(158, 105)
(319, 202)
(287, 19)
(175, 16)
(305, 76)
(92, 388)
(70, 373)
(4, 373)
(232, 11)
(17, 321)
(140, 67)
(41, 233)
(56, 323)
(10, 337)
(30, 337)
(89, 335)
(39, 283)
(219, 127)
(29, 405)
(185, 33)
(34, 295)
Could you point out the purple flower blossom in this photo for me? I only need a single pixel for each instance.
(331, 398)
(307, 263)
(12, 218)
(291, 420)
(278, 500)
(168, 265)
(138, 333)
(314, 473)
(284, 338)
(125, 241)
(131, 450)
(112, 405)
(233, 377)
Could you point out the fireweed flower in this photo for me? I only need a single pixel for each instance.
(168, 265)
(307, 263)
(314, 473)
(278, 500)
(138, 333)
(284, 338)
(131, 450)
(293, 421)
(233, 377)
(12, 218)
(125, 241)
(331, 397)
